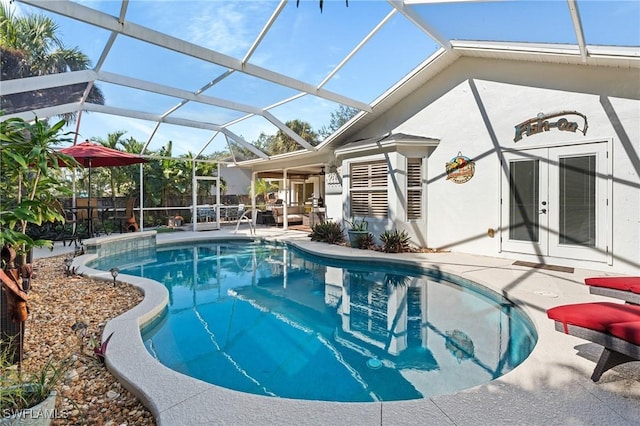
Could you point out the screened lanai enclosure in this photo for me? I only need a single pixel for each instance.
(223, 94)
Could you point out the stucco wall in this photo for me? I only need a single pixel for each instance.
(473, 107)
(238, 180)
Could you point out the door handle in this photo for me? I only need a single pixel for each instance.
(543, 211)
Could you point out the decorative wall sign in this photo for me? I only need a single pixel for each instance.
(542, 124)
(333, 183)
(460, 169)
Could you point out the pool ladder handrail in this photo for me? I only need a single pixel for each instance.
(251, 220)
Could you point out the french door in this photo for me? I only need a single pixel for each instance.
(555, 202)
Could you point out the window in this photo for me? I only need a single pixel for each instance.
(368, 189)
(414, 188)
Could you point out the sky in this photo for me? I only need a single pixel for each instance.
(303, 43)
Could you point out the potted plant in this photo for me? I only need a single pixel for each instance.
(30, 398)
(358, 232)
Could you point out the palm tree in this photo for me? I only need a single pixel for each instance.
(128, 182)
(321, 4)
(263, 187)
(115, 173)
(29, 47)
(283, 143)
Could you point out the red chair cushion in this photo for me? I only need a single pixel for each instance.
(597, 316)
(629, 331)
(617, 283)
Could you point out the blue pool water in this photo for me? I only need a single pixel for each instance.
(272, 320)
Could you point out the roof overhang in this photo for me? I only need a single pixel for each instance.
(386, 142)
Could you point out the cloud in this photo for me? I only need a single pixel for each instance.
(228, 27)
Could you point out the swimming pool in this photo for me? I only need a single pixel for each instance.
(271, 320)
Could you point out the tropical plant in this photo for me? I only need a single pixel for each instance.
(321, 4)
(262, 187)
(31, 180)
(30, 47)
(327, 232)
(395, 241)
(100, 349)
(281, 142)
(113, 141)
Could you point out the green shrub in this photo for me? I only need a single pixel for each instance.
(327, 232)
(364, 241)
(395, 242)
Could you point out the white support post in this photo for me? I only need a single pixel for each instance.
(141, 225)
(194, 197)
(218, 197)
(287, 197)
(253, 190)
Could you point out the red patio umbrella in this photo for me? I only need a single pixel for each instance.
(90, 154)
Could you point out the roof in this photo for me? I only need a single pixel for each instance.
(385, 141)
(232, 70)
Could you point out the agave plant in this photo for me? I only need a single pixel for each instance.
(327, 232)
(395, 241)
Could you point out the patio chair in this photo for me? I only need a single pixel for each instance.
(232, 213)
(624, 288)
(206, 213)
(615, 326)
(128, 214)
(69, 231)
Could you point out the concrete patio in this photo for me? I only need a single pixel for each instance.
(551, 387)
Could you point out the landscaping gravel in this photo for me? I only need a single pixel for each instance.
(90, 395)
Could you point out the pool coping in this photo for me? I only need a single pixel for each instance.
(551, 386)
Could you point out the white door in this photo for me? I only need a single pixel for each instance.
(555, 202)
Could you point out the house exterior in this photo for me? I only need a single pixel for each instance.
(238, 181)
(530, 153)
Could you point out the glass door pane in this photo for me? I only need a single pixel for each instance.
(577, 201)
(524, 200)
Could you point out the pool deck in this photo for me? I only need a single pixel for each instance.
(551, 387)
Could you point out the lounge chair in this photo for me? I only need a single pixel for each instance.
(615, 326)
(624, 288)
